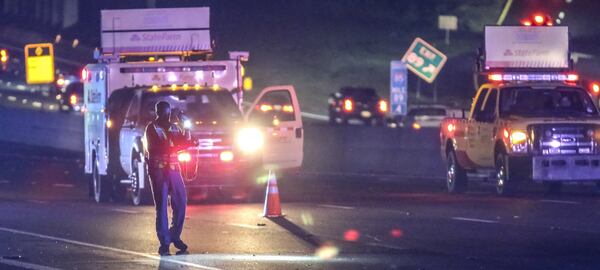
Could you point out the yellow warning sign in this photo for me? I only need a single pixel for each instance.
(39, 63)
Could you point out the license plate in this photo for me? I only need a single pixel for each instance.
(365, 114)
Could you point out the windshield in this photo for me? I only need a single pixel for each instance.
(200, 106)
(546, 102)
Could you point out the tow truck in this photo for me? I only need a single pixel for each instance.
(170, 59)
(530, 121)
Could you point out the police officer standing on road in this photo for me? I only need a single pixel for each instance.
(164, 139)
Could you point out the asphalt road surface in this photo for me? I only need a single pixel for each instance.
(331, 222)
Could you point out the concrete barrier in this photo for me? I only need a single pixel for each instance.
(56, 130)
(327, 149)
(373, 150)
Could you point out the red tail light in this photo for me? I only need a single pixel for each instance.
(383, 106)
(572, 77)
(84, 75)
(348, 105)
(73, 99)
(184, 156)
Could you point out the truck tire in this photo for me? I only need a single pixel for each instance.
(139, 196)
(101, 185)
(506, 185)
(456, 176)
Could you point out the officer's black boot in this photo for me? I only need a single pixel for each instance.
(163, 251)
(181, 246)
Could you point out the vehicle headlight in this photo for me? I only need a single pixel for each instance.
(249, 140)
(518, 137)
(187, 123)
(518, 141)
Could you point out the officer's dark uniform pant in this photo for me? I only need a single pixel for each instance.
(165, 182)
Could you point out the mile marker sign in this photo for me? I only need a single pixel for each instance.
(424, 60)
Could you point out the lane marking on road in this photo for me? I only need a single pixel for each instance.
(37, 201)
(63, 185)
(475, 220)
(118, 250)
(25, 265)
(337, 206)
(559, 201)
(315, 116)
(126, 211)
(4, 182)
(244, 226)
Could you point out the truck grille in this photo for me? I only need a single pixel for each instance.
(213, 141)
(562, 139)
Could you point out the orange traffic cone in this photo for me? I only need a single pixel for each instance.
(272, 203)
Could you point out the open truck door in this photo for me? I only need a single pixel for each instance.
(277, 112)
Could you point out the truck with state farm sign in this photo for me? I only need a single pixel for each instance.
(530, 122)
(233, 146)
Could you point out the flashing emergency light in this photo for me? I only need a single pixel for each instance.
(266, 107)
(538, 20)
(524, 77)
(288, 108)
(3, 56)
(348, 105)
(247, 84)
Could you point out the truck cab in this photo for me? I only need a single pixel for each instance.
(234, 146)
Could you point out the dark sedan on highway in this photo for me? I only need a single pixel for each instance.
(357, 103)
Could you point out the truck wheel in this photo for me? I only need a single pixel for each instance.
(139, 196)
(456, 176)
(101, 185)
(505, 184)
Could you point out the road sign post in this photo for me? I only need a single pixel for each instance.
(424, 60)
(447, 23)
(39, 63)
(398, 88)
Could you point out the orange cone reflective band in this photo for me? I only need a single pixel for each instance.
(272, 203)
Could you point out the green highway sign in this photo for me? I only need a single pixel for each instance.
(424, 60)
